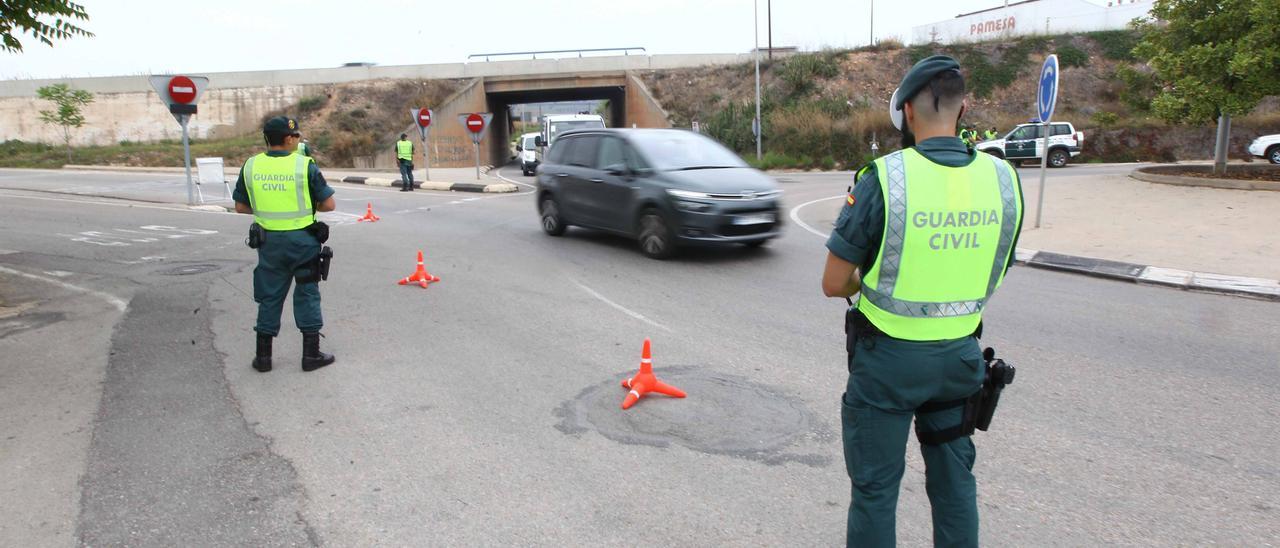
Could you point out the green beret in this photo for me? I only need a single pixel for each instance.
(920, 74)
(281, 124)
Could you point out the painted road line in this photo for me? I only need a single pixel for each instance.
(621, 308)
(795, 217)
(175, 207)
(112, 299)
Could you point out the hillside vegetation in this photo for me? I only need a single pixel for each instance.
(823, 109)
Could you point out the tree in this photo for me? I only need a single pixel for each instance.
(18, 16)
(68, 114)
(1215, 59)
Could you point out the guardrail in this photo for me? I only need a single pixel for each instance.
(535, 54)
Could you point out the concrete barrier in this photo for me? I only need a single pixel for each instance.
(1152, 174)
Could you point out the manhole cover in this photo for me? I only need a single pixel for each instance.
(724, 415)
(187, 270)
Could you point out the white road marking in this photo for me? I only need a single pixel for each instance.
(177, 208)
(114, 300)
(796, 217)
(621, 308)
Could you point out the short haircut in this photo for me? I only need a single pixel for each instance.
(943, 94)
(404, 135)
(275, 139)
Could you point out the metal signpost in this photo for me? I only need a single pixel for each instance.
(477, 123)
(423, 118)
(1046, 99)
(181, 94)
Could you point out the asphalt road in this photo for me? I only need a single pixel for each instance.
(484, 410)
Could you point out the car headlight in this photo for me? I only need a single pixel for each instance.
(688, 194)
(696, 207)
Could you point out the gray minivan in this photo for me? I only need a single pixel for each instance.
(664, 187)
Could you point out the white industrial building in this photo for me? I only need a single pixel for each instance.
(1032, 17)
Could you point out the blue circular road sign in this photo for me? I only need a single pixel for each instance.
(1047, 92)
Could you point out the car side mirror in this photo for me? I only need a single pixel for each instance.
(617, 170)
(519, 148)
(538, 141)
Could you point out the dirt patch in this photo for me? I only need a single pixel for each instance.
(1234, 172)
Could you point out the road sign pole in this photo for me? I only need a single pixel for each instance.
(1044, 167)
(477, 144)
(186, 159)
(426, 154)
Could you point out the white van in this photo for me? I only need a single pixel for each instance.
(556, 124)
(527, 153)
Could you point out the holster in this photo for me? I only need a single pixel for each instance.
(318, 269)
(978, 408)
(257, 236)
(320, 230)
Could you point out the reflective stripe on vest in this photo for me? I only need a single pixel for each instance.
(302, 149)
(404, 150)
(286, 207)
(954, 273)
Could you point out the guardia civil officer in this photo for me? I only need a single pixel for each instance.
(925, 237)
(282, 190)
(404, 156)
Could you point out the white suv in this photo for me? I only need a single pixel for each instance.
(1026, 142)
(1267, 146)
(527, 153)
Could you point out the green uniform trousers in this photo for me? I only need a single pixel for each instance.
(284, 255)
(888, 379)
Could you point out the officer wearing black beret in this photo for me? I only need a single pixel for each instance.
(924, 239)
(283, 190)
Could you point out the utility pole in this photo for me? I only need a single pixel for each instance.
(756, 125)
(873, 22)
(769, 18)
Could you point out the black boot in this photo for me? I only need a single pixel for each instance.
(262, 361)
(312, 357)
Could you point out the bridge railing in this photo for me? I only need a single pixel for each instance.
(535, 54)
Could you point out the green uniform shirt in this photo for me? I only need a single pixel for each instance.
(320, 189)
(860, 226)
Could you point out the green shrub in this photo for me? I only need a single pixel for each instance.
(800, 71)
(1116, 44)
(1071, 56)
(1105, 119)
(311, 103)
(1137, 88)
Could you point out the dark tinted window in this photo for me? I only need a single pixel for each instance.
(559, 151)
(583, 153)
(675, 149)
(1061, 129)
(611, 152)
(1028, 132)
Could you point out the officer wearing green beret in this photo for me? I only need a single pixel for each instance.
(925, 238)
(283, 190)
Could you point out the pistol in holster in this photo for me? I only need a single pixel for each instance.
(978, 408)
(257, 236)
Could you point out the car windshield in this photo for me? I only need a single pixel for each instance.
(529, 143)
(677, 150)
(560, 127)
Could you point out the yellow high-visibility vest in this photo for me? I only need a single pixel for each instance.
(279, 192)
(948, 235)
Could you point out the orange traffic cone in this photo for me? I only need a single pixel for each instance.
(420, 276)
(368, 214)
(645, 382)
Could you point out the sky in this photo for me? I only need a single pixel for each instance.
(155, 36)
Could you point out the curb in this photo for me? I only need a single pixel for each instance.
(433, 185)
(1258, 288)
(1204, 182)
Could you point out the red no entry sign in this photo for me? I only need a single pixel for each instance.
(475, 123)
(182, 89)
(424, 117)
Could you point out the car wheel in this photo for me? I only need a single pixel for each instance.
(1273, 154)
(552, 223)
(1058, 157)
(656, 239)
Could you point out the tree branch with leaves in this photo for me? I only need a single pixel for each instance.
(68, 115)
(29, 16)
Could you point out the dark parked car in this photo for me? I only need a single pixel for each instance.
(663, 187)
